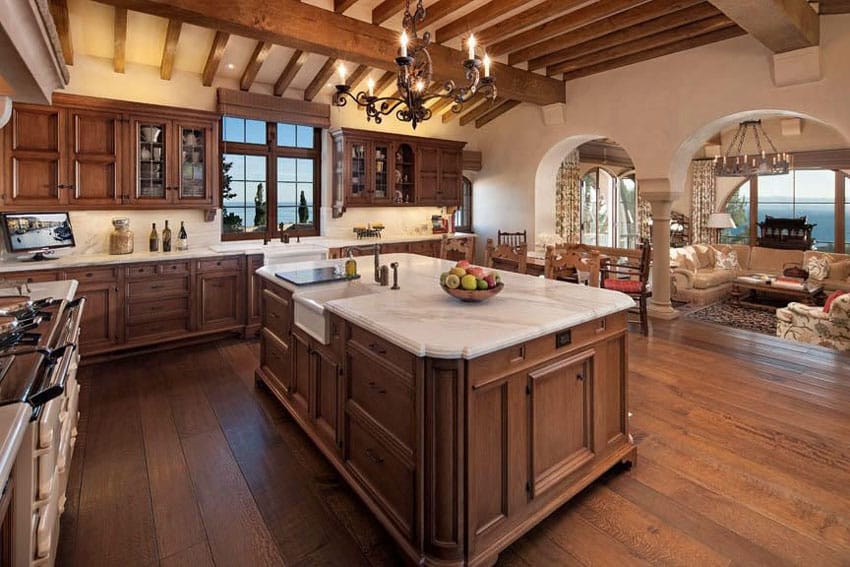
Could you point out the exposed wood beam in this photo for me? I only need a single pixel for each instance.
(683, 45)
(385, 81)
(781, 25)
(661, 31)
(119, 56)
(357, 76)
(548, 10)
(62, 21)
(834, 7)
(440, 104)
(261, 52)
(320, 79)
(476, 18)
(214, 58)
(169, 50)
(295, 63)
(496, 112)
(583, 32)
(562, 24)
(386, 10)
(341, 6)
(479, 110)
(442, 8)
(309, 28)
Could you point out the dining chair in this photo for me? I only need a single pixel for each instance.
(632, 278)
(506, 257)
(512, 238)
(457, 248)
(571, 264)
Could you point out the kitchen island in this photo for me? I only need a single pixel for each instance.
(460, 425)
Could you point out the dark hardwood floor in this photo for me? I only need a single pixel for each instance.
(743, 458)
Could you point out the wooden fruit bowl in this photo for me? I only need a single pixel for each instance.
(474, 296)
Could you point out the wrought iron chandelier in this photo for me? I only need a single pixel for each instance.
(740, 164)
(414, 78)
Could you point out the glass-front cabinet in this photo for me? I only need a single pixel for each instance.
(357, 172)
(151, 148)
(193, 175)
(381, 171)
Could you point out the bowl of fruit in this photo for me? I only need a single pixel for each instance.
(470, 283)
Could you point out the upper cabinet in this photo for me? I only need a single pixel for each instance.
(375, 169)
(86, 153)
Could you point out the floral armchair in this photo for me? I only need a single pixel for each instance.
(807, 324)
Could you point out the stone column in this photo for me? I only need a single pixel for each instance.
(657, 192)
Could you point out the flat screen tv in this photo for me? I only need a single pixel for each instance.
(39, 233)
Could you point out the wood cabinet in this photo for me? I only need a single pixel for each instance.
(221, 295)
(89, 153)
(430, 247)
(374, 169)
(275, 339)
(101, 327)
(253, 313)
(158, 301)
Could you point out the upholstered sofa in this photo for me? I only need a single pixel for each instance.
(704, 274)
(808, 324)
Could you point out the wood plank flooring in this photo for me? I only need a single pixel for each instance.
(743, 459)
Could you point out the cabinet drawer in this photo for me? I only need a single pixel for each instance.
(158, 287)
(167, 308)
(385, 396)
(276, 314)
(276, 360)
(31, 277)
(174, 268)
(141, 271)
(386, 350)
(389, 480)
(92, 275)
(172, 326)
(220, 265)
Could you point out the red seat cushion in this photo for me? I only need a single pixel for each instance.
(832, 297)
(626, 286)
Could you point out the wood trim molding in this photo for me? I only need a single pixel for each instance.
(217, 48)
(120, 40)
(273, 108)
(169, 50)
(97, 103)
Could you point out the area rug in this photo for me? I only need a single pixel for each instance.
(737, 316)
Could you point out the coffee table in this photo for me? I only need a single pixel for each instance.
(747, 290)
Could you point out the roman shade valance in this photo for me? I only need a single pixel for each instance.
(273, 109)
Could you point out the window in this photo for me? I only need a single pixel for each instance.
(463, 214)
(813, 193)
(270, 176)
(608, 209)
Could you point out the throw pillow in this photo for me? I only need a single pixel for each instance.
(726, 260)
(832, 297)
(839, 270)
(818, 268)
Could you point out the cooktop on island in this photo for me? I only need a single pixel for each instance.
(314, 276)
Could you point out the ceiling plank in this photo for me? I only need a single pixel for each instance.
(476, 18)
(780, 25)
(320, 79)
(303, 26)
(386, 10)
(621, 49)
(690, 43)
(385, 81)
(699, 11)
(62, 21)
(119, 56)
(479, 110)
(610, 24)
(288, 74)
(827, 7)
(214, 58)
(169, 50)
(441, 9)
(496, 112)
(548, 10)
(341, 6)
(357, 76)
(261, 53)
(562, 24)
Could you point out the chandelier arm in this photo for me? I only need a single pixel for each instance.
(756, 128)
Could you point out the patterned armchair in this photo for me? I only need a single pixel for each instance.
(807, 324)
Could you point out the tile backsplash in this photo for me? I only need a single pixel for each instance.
(399, 221)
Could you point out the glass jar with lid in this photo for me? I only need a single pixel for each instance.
(121, 239)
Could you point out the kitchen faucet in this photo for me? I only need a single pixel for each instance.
(376, 248)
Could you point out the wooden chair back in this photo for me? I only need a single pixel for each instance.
(564, 263)
(632, 278)
(457, 248)
(512, 238)
(505, 257)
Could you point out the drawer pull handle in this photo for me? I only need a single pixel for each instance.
(579, 376)
(141, 270)
(156, 287)
(377, 348)
(274, 315)
(377, 388)
(89, 274)
(373, 457)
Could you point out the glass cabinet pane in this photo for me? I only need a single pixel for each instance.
(193, 163)
(404, 174)
(382, 185)
(358, 169)
(150, 153)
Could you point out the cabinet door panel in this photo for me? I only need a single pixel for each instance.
(357, 172)
(99, 329)
(429, 159)
(488, 456)
(34, 145)
(327, 397)
(194, 179)
(94, 154)
(559, 418)
(609, 398)
(276, 357)
(381, 168)
(35, 181)
(220, 300)
(150, 147)
(301, 373)
(451, 166)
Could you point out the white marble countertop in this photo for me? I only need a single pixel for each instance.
(422, 319)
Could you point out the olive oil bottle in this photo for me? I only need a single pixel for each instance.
(166, 238)
(154, 239)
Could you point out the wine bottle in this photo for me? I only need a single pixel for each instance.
(182, 238)
(154, 239)
(166, 238)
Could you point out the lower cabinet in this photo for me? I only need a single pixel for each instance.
(101, 327)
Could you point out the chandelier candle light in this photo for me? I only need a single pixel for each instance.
(414, 78)
(743, 165)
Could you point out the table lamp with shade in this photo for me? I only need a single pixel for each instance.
(717, 222)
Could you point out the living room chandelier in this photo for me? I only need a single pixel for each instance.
(414, 78)
(740, 164)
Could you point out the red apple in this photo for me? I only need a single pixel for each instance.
(462, 264)
(491, 281)
(476, 271)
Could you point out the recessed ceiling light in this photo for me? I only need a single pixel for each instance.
(230, 65)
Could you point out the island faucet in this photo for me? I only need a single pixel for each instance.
(376, 248)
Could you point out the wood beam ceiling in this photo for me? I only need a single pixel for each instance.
(288, 74)
(214, 58)
(385, 81)
(357, 76)
(320, 79)
(386, 10)
(441, 104)
(496, 112)
(479, 110)
(780, 25)
(476, 18)
(625, 26)
(548, 10)
(59, 11)
(169, 50)
(261, 52)
(341, 6)
(834, 7)
(119, 56)
(442, 8)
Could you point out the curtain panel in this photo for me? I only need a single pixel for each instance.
(568, 200)
(703, 198)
